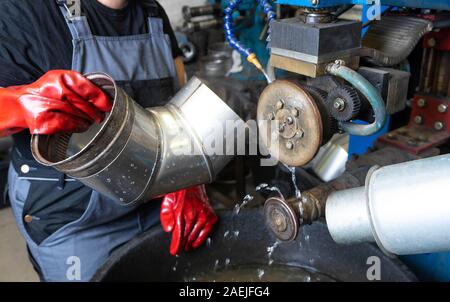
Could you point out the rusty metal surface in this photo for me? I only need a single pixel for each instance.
(298, 136)
(435, 74)
(281, 218)
(429, 126)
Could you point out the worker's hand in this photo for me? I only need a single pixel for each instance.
(60, 101)
(189, 216)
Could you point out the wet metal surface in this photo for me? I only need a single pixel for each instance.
(243, 241)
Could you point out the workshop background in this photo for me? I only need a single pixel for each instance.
(354, 97)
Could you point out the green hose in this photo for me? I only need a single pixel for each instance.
(371, 94)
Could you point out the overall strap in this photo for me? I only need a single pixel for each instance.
(151, 8)
(78, 24)
(155, 24)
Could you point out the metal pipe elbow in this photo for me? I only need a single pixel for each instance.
(138, 154)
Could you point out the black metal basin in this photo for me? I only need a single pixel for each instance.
(146, 258)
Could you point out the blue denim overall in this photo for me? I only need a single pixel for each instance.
(143, 66)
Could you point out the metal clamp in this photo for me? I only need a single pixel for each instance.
(73, 8)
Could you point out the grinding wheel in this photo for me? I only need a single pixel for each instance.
(281, 219)
(294, 134)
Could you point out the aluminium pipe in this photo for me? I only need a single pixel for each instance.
(366, 89)
(404, 208)
(138, 154)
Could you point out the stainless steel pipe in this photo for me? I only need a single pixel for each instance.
(404, 208)
(138, 154)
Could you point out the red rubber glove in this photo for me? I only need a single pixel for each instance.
(189, 216)
(60, 101)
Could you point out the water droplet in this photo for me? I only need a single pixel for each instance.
(261, 187)
(298, 194)
(216, 265)
(208, 242)
(265, 187)
(108, 180)
(307, 279)
(174, 268)
(271, 249)
(227, 262)
(225, 235)
(132, 183)
(245, 201)
(121, 199)
(260, 273)
(236, 234)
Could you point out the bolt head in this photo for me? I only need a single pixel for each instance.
(279, 221)
(280, 104)
(412, 142)
(391, 136)
(339, 104)
(300, 133)
(431, 42)
(290, 145)
(289, 120)
(439, 126)
(314, 2)
(421, 103)
(418, 119)
(442, 108)
(422, 138)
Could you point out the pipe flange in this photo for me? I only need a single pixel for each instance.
(295, 130)
(281, 219)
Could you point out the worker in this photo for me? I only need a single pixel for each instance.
(45, 46)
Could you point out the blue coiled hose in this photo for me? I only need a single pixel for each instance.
(229, 34)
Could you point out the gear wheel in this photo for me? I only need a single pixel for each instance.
(329, 123)
(344, 103)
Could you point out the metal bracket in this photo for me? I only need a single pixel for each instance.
(73, 8)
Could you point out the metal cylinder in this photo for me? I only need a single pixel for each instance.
(330, 161)
(190, 12)
(404, 208)
(138, 154)
(203, 24)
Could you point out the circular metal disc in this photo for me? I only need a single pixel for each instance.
(294, 125)
(281, 219)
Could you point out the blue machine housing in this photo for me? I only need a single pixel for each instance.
(431, 4)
